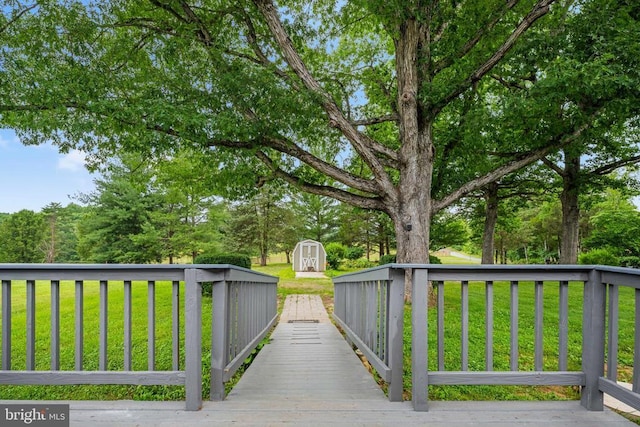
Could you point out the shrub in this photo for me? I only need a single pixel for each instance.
(360, 263)
(335, 254)
(353, 253)
(599, 257)
(232, 259)
(434, 260)
(630, 261)
(390, 259)
(387, 259)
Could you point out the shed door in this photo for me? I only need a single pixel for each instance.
(309, 257)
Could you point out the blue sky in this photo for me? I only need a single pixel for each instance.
(31, 177)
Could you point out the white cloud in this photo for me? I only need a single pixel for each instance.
(73, 161)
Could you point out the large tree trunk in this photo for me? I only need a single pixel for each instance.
(570, 209)
(490, 221)
(412, 211)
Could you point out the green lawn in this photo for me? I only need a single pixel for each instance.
(288, 285)
(91, 345)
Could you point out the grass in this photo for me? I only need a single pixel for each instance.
(289, 284)
(91, 345)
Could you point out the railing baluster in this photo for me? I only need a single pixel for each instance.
(372, 316)
(6, 325)
(612, 351)
(79, 320)
(420, 343)
(104, 304)
(151, 325)
(563, 327)
(127, 326)
(464, 333)
(220, 336)
(55, 325)
(514, 326)
(440, 324)
(193, 340)
(382, 320)
(539, 327)
(488, 349)
(636, 344)
(175, 325)
(31, 325)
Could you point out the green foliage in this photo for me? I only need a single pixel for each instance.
(118, 226)
(387, 259)
(335, 254)
(353, 252)
(261, 223)
(447, 230)
(358, 264)
(21, 237)
(239, 260)
(391, 259)
(601, 256)
(114, 77)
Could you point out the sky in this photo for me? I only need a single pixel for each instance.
(32, 177)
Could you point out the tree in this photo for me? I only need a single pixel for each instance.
(189, 219)
(319, 216)
(21, 237)
(286, 91)
(117, 226)
(253, 224)
(51, 213)
(448, 230)
(616, 229)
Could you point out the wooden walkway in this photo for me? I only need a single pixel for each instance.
(308, 375)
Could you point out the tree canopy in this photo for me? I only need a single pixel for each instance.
(401, 107)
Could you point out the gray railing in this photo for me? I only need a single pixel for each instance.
(237, 293)
(527, 361)
(369, 308)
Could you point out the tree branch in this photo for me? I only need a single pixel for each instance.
(375, 120)
(261, 58)
(284, 147)
(471, 43)
(360, 142)
(322, 190)
(540, 9)
(607, 169)
(551, 165)
(16, 17)
(507, 169)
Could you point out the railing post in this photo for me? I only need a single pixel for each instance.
(419, 344)
(593, 341)
(219, 338)
(396, 334)
(193, 340)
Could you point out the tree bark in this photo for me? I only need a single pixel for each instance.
(411, 212)
(490, 221)
(570, 208)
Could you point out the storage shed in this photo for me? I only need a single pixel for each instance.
(309, 255)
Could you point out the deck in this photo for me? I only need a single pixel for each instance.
(308, 375)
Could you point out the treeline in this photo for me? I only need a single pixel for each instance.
(144, 212)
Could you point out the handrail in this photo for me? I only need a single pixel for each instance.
(598, 286)
(257, 292)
